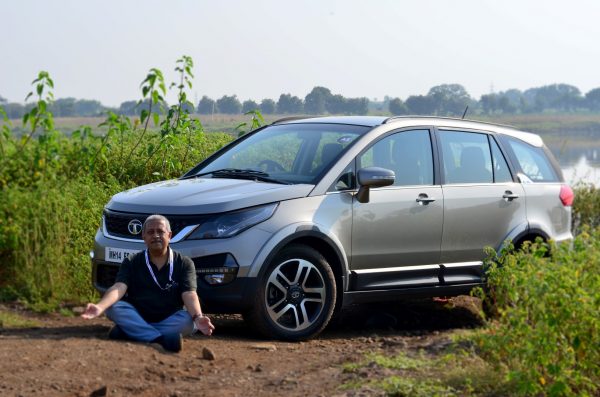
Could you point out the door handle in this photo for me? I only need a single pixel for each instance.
(423, 199)
(509, 196)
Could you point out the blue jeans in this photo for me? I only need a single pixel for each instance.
(129, 320)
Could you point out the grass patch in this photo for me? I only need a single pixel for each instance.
(11, 320)
(454, 372)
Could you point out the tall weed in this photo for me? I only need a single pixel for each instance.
(46, 234)
(547, 335)
(53, 186)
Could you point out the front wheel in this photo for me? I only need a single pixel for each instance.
(296, 295)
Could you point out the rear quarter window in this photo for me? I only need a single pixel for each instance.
(533, 162)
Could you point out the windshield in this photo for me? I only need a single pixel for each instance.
(290, 153)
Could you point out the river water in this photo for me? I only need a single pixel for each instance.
(578, 159)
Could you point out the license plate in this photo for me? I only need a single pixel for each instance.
(117, 254)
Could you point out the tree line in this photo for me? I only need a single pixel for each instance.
(441, 100)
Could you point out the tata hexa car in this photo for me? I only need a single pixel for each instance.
(297, 219)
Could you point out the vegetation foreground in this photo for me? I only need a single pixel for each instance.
(541, 337)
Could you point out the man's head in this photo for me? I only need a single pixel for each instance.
(157, 234)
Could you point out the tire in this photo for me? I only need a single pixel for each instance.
(295, 297)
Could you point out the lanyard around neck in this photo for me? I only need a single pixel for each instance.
(170, 270)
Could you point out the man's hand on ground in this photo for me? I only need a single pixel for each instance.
(91, 311)
(204, 325)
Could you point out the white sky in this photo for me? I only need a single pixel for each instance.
(102, 49)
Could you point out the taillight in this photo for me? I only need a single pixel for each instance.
(566, 195)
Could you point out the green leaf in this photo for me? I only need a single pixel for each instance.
(28, 96)
(40, 89)
(143, 115)
(156, 118)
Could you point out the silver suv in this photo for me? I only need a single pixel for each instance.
(295, 220)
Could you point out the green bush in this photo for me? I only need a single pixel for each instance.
(53, 186)
(586, 207)
(547, 335)
(46, 233)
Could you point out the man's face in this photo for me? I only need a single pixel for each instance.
(156, 236)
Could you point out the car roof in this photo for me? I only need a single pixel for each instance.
(406, 121)
(367, 121)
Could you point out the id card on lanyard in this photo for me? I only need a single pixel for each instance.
(170, 283)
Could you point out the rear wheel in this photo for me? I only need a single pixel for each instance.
(296, 295)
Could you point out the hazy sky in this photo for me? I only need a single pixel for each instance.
(261, 48)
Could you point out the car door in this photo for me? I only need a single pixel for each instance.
(482, 203)
(396, 236)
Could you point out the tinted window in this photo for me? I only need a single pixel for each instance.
(466, 157)
(533, 162)
(406, 153)
(501, 170)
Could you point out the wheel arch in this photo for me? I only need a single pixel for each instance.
(312, 236)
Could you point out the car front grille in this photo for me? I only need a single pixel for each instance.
(117, 223)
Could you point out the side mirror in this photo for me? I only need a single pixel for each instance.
(372, 177)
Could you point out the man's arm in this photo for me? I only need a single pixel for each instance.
(192, 305)
(112, 295)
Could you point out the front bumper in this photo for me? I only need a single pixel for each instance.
(234, 297)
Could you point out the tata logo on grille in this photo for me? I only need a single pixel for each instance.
(135, 227)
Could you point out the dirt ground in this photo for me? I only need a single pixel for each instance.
(69, 356)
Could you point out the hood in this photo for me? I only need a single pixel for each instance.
(203, 196)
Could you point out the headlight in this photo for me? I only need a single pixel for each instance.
(232, 223)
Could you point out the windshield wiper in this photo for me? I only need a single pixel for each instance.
(236, 173)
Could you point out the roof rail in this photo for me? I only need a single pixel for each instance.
(447, 118)
(291, 118)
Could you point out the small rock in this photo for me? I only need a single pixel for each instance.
(394, 342)
(100, 392)
(265, 346)
(78, 309)
(208, 354)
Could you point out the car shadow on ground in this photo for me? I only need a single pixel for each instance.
(402, 318)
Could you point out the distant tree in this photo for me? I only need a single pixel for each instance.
(337, 104)
(489, 103)
(249, 105)
(449, 99)
(592, 99)
(63, 107)
(420, 104)
(133, 108)
(128, 108)
(87, 107)
(289, 104)
(505, 105)
(356, 105)
(2, 99)
(207, 106)
(14, 110)
(514, 96)
(229, 104)
(563, 97)
(315, 102)
(267, 106)
(397, 107)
